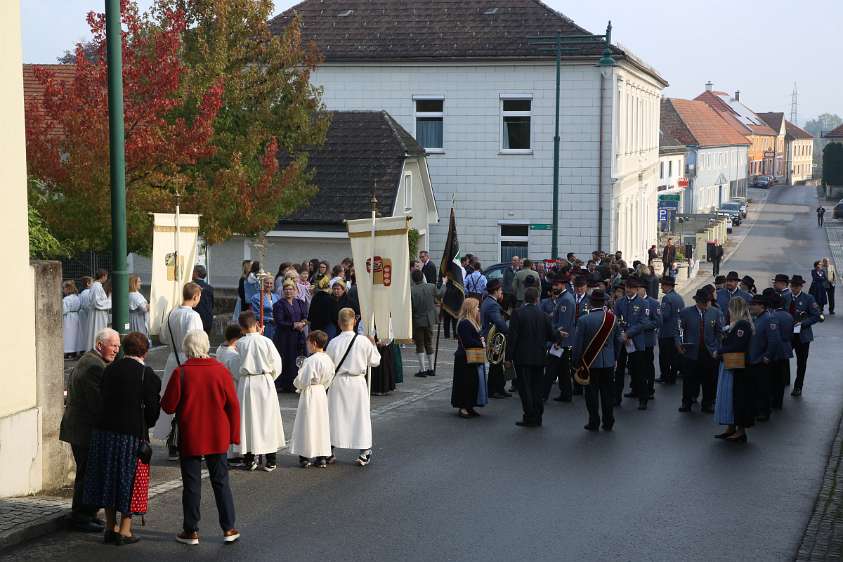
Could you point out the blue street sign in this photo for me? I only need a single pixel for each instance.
(663, 215)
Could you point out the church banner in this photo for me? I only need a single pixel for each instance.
(383, 287)
(169, 275)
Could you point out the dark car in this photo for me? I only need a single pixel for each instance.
(837, 212)
(762, 182)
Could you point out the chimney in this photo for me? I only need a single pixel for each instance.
(708, 86)
(737, 95)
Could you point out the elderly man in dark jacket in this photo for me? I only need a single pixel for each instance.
(81, 413)
(423, 301)
(205, 308)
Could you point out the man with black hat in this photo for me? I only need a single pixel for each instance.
(748, 285)
(780, 365)
(491, 314)
(651, 334)
(716, 257)
(780, 284)
(595, 342)
(671, 305)
(561, 309)
(720, 282)
(805, 311)
(699, 344)
(634, 319)
(729, 292)
(764, 347)
(580, 297)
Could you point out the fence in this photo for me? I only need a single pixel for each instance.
(85, 264)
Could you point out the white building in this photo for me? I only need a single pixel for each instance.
(481, 99)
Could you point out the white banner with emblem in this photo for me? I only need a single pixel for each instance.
(388, 299)
(169, 277)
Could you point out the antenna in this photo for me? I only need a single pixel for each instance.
(794, 104)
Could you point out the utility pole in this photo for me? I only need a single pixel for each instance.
(794, 106)
(117, 165)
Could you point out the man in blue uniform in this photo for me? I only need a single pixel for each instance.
(634, 320)
(671, 305)
(559, 358)
(780, 366)
(491, 314)
(700, 327)
(780, 282)
(805, 312)
(651, 334)
(599, 357)
(764, 347)
(729, 292)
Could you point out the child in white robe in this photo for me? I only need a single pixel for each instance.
(258, 365)
(71, 305)
(227, 351)
(311, 439)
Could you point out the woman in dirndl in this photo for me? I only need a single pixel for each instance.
(117, 480)
(467, 392)
(734, 407)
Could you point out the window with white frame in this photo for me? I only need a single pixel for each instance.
(516, 117)
(408, 191)
(430, 117)
(514, 241)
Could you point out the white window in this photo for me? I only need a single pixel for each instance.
(408, 191)
(516, 116)
(430, 116)
(514, 241)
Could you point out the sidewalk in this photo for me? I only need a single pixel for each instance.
(25, 518)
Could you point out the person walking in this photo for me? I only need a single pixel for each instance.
(819, 285)
(595, 340)
(716, 257)
(138, 307)
(205, 308)
(84, 344)
(805, 312)
(698, 343)
(320, 315)
(671, 305)
(118, 462)
(668, 258)
(423, 302)
(831, 279)
(735, 407)
(290, 314)
(81, 411)
(820, 216)
(205, 401)
(530, 330)
(71, 326)
(634, 319)
(651, 336)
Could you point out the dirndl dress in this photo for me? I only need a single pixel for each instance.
(482, 390)
(724, 408)
(112, 465)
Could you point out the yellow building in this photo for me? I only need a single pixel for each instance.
(800, 153)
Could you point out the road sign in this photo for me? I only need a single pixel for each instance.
(541, 226)
(669, 197)
(663, 215)
(668, 204)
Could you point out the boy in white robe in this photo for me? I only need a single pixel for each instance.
(348, 401)
(84, 313)
(311, 439)
(227, 351)
(70, 306)
(259, 364)
(99, 312)
(178, 323)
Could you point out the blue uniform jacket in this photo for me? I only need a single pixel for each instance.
(765, 343)
(587, 328)
(787, 297)
(785, 322)
(724, 296)
(689, 321)
(807, 312)
(583, 308)
(672, 305)
(651, 335)
(634, 318)
(491, 313)
(563, 318)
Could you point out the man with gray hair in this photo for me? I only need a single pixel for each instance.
(82, 410)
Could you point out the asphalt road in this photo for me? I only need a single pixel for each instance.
(442, 488)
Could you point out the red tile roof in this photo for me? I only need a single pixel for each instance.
(33, 89)
(834, 133)
(716, 101)
(700, 124)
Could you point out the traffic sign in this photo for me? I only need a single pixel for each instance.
(541, 227)
(663, 215)
(669, 197)
(668, 204)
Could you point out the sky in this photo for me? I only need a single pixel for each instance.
(759, 48)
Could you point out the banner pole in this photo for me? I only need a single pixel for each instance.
(438, 331)
(370, 325)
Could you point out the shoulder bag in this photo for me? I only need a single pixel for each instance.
(473, 355)
(345, 355)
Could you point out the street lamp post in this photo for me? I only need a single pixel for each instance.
(117, 164)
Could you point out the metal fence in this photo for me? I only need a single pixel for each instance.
(85, 264)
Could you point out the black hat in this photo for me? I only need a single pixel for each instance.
(597, 297)
(720, 279)
(592, 282)
(772, 297)
(781, 278)
(797, 280)
(760, 299)
(733, 276)
(632, 282)
(580, 281)
(556, 280)
(748, 281)
(493, 286)
(667, 280)
(702, 295)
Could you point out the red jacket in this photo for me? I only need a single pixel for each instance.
(208, 410)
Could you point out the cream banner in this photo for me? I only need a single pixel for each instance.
(383, 289)
(168, 274)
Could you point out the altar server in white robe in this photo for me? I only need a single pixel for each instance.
(259, 364)
(227, 350)
(175, 327)
(70, 306)
(100, 308)
(311, 439)
(138, 307)
(348, 401)
(85, 313)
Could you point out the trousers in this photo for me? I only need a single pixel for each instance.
(801, 350)
(830, 294)
(558, 368)
(497, 379)
(191, 496)
(620, 373)
(780, 373)
(531, 389)
(79, 512)
(700, 373)
(447, 322)
(764, 375)
(668, 360)
(600, 397)
(639, 374)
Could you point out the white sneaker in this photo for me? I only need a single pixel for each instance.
(250, 466)
(364, 458)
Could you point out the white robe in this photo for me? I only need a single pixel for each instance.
(99, 312)
(84, 319)
(258, 365)
(348, 401)
(311, 430)
(70, 306)
(228, 356)
(138, 310)
(182, 320)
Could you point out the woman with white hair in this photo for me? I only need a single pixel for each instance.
(201, 393)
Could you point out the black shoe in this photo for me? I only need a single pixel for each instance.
(504, 395)
(431, 373)
(724, 435)
(421, 374)
(707, 410)
(763, 418)
(120, 540)
(591, 427)
(642, 405)
(86, 527)
(526, 424)
(630, 395)
(608, 426)
(741, 439)
(685, 408)
(109, 537)
(661, 380)
(796, 392)
(652, 396)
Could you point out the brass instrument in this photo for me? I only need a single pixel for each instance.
(495, 346)
(582, 376)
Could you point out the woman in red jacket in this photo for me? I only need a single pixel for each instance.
(201, 393)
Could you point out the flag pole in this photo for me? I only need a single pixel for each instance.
(370, 324)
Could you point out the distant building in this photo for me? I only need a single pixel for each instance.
(672, 153)
(800, 153)
(462, 77)
(716, 153)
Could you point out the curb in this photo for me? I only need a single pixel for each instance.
(52, 523)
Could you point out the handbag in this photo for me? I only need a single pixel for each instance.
(734, 360)
(144, 452)
(474, 355)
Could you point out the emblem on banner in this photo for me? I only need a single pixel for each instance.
(383, 271)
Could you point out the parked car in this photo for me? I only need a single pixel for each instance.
(742, 202)
(731, 210)
(760, 181)
(837, 212)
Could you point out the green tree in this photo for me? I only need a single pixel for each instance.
(823, 124)
(833, 164)
(42, 244)
(270, 114)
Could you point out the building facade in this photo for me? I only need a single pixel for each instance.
(800, 153)
(482, 104)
